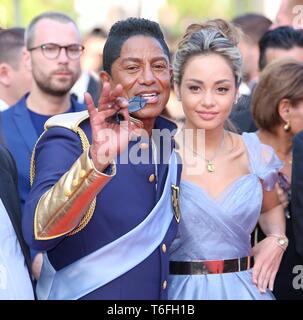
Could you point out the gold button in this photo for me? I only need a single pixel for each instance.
(75, 182)
(151, 178)
(143, 146)
(67, 193)
(82, 173)
(163, 247)
(164, 285)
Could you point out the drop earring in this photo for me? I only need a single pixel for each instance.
(287, 126)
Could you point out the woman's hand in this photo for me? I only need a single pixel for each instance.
(268, 255)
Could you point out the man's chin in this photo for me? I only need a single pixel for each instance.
(57, 92)
(61, 90)
(149, 111)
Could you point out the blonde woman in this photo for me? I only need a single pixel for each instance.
(211, 258)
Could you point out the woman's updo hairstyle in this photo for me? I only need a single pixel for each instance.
(212, 37)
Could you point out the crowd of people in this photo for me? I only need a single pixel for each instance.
(105, 193)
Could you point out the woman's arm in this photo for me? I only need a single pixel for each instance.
(268, 252)
(272, 219)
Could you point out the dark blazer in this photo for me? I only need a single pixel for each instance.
(241, 115)
(20, 136)
(10, 198)
(243, 121)
(297, 192)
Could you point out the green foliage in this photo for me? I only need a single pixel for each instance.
(31, 8)
(199, 10)
(6, 13)
(202, 9)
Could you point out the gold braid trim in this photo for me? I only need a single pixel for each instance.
(85, 145)
(88, 215)
(32, 164)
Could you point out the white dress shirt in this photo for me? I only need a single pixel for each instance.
(3, 105)
(15, 283)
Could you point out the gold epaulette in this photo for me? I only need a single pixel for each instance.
(67, 120)
(73, 120)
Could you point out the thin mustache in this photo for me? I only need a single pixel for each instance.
(62, 70)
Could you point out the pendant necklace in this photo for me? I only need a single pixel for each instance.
(210, 166)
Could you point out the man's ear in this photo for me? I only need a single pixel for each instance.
(5, 74)
(26, 57)
(105, 77)
(284, 109)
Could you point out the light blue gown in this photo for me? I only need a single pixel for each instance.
(219, 229)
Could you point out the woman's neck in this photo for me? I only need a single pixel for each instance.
(279, 140)
(47, 104)
(212, 139)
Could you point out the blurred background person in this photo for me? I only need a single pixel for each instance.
(92, 58)
(287, 14)
(277, 108)
(54, 50)
(91, 65)
(253, 27)
(282, 42)
(15, 77)
(15, 278)
(54, 59)
(173, 110)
